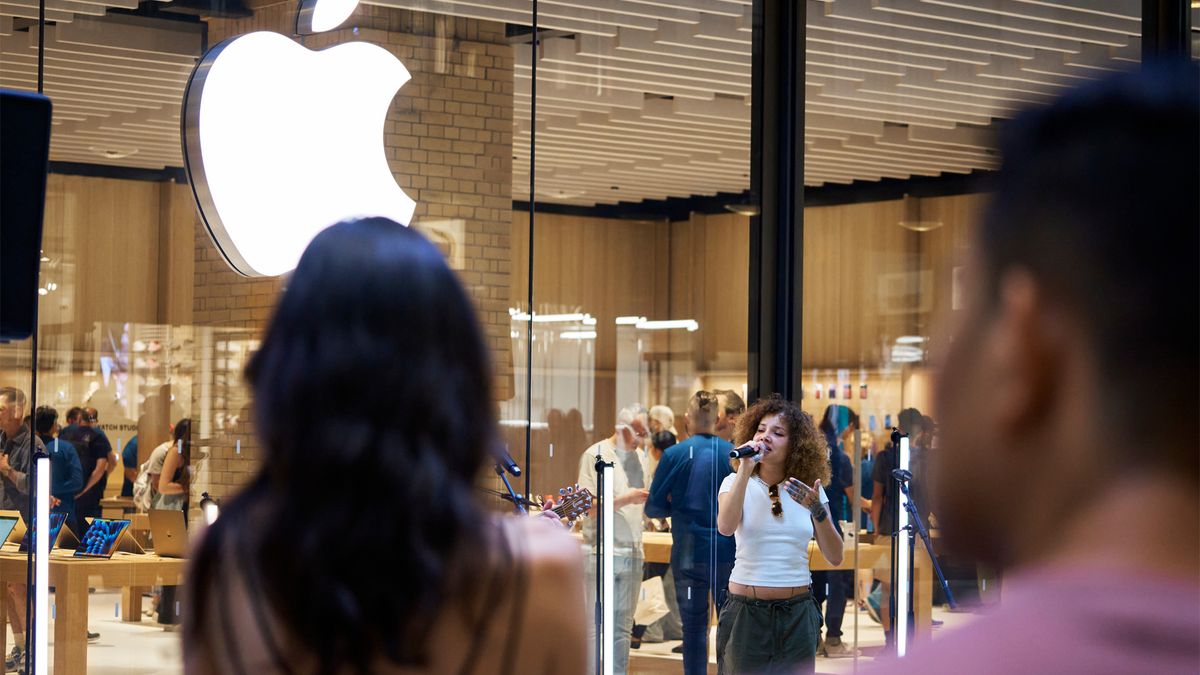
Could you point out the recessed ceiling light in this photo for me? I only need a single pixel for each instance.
(743, 209)
(913, 219)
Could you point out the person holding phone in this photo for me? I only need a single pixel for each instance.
(774, 505)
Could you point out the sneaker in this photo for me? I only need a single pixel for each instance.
(15, 661)
(836, 649)
(93, 637)
(677, 649)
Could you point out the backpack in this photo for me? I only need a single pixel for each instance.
(141, 488)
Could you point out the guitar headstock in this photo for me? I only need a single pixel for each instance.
(573, 502)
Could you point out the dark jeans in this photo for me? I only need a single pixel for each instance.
(694, 582)
(768, 636)
(169, 610)
(841, 586)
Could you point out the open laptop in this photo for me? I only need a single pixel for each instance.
(101, 538)
(168, 531)
(7, 525)
(18, 531)
(56, 526)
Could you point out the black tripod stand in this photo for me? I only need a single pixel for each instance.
(903, 477)
(915, 526)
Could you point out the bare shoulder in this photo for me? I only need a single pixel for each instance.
(543, 543)
(555, 597)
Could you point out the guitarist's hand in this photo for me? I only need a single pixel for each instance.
(549, 514)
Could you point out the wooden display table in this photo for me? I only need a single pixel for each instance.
(71, 578)
(116, 507)
(656, 546)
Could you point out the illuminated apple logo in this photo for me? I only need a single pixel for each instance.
(280, 141)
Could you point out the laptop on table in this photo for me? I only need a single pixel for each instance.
(168, 531)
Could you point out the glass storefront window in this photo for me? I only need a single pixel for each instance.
(625, 128)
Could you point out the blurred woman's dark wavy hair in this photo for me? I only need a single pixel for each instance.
(374, 407)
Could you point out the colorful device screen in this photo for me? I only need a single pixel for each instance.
(101, 538)
(7, 525)
(56, 523)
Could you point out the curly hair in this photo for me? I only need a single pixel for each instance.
(808, 452)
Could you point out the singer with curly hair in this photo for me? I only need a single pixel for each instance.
(774, 505)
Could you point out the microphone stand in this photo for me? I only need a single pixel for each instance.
(919, 526)
(502, 470)
(600, 553)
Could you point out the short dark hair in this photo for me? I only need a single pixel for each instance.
(1097, 201)
(664, 439)
(44, 418)
(910, 421)
(73, 414)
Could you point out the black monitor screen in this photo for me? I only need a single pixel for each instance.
(24, 161)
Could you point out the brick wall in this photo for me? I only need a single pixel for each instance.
(449, 141)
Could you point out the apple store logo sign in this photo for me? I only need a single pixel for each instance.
(280, 141)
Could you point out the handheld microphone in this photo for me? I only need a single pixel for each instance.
(902, 475)
(744, 451)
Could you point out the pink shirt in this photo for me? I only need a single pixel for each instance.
(1093, 621)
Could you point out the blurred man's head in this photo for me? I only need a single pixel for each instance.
(662, 418)
(90, 417)
(73, 415)
(703, 411)
(730, 407)
(1073, 367)
(12, 410)
(43, 420)
(910, 421)
(632, 430)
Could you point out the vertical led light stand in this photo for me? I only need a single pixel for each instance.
(609, 580)
(903, 552)
(41, 577)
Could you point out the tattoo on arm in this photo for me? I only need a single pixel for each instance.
(818, 512)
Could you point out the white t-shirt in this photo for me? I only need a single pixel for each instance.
(627, 526)
(771, 551)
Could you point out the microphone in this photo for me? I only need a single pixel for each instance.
(505, 460)
(896, 436)
(744, 451)
(902, 475)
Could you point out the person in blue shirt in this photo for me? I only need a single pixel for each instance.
(685, 488)
(835, 585)
(129, 460)
(66, 474)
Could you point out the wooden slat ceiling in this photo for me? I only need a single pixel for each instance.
(116, 81)
(649, 99)
(645, 99)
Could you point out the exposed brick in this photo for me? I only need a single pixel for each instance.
(448, 138)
